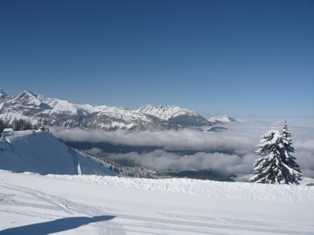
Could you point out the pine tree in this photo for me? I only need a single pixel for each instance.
(26, 125)
(2, 125)
(276, 165)
(20, 125)
(287, 135)
(15, 125)
(291, 160)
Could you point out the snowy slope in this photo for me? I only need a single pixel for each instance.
(127, 206)
(43, 153)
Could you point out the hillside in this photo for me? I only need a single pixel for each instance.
(43, 153)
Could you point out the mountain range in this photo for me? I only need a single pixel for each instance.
(44, 111)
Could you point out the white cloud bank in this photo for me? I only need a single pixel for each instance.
(231, 151)
(162, 160)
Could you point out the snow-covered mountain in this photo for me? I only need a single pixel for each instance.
(175, 114)
(54, 112)
(221, 119)
(40, 152)
(3, 96)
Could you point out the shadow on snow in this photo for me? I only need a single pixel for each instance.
(55, 226)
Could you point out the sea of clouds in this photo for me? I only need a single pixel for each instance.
(229, 152)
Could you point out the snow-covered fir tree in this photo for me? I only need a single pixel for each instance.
(287, 134)
(2, 125)
(289, 148)
(276, 165)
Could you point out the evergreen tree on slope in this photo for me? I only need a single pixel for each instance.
(287, 135)
(2, 125)
(291, 160)
(276, 165)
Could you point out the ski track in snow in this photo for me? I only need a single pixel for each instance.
(121, 199)
(54, 203)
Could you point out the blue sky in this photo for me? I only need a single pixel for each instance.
(249, 58)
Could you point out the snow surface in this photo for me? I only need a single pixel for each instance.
(43, 153)
(35, 204)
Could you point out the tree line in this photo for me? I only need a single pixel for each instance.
(17, 125)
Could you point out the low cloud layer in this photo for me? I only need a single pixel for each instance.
(162, 160)
(231, 151)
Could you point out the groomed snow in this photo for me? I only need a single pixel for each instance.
(35, 204)
(246, 191)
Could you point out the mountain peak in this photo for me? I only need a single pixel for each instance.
(176, 114)
(221, 119)
(28, 94)
(150, 106)
(2, 94)
(162, 112)
(30, 98)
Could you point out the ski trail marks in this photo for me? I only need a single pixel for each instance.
(52, 209)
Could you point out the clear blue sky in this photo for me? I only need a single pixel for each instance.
(241, 58)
